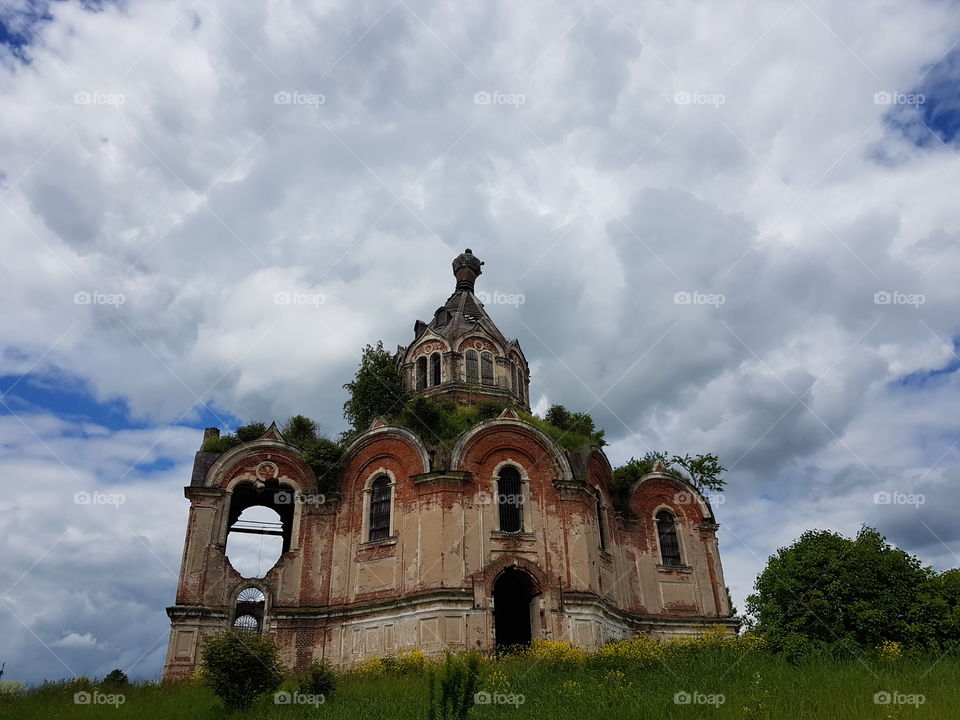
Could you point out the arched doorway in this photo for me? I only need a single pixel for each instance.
(513, 594)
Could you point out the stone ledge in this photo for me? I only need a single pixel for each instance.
(442, 477)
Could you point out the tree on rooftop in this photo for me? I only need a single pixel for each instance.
(376, 389)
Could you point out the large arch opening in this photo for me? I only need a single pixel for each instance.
(259, 529)
(255, 542)
(513, 596)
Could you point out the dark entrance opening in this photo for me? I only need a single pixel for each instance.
(513, 594)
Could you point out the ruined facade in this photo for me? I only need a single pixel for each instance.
(503, 538)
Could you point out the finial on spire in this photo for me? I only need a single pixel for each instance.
(466, 268)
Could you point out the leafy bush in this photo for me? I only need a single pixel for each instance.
(253, 431)
(240, 667)
(116, 678)
(244, 433)
(318, 679)
(220, 444)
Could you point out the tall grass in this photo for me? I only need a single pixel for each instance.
(552, 681)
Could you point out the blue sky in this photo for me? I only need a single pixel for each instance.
(734, 229)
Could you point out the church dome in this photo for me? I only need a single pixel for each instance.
(461, 353)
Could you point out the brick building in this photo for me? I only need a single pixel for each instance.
(503, 538)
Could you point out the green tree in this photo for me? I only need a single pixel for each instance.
(702, 471)
(323, 457)
(253, 431)
(827, 590)
(240, 667)
(300, 431)
(376, 389)
(558, 416)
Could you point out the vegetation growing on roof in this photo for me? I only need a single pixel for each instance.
(570, 430)
(244, 433)
(317, 450)
(376, 390)
(702, 471)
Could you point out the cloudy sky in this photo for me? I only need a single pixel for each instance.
(728, 227)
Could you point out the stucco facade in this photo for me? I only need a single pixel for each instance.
(411, 551)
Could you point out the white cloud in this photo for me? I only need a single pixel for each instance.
(198, 199)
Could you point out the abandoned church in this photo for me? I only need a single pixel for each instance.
(501, 537)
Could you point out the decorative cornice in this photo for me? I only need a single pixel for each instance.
(192, 492)
(442, 477)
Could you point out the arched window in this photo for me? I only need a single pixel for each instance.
(600, 523)
(513, 378)
(421, 372)
(667, 532)
(435, 369)
(510, 499)
(246, 622)
(380, 501)
(472, 374)
(249, 609)
(486, 368)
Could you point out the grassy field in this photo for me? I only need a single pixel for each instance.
(704, 680)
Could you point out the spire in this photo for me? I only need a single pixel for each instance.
(466, 268)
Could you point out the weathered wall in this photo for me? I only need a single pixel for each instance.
(430, 584)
